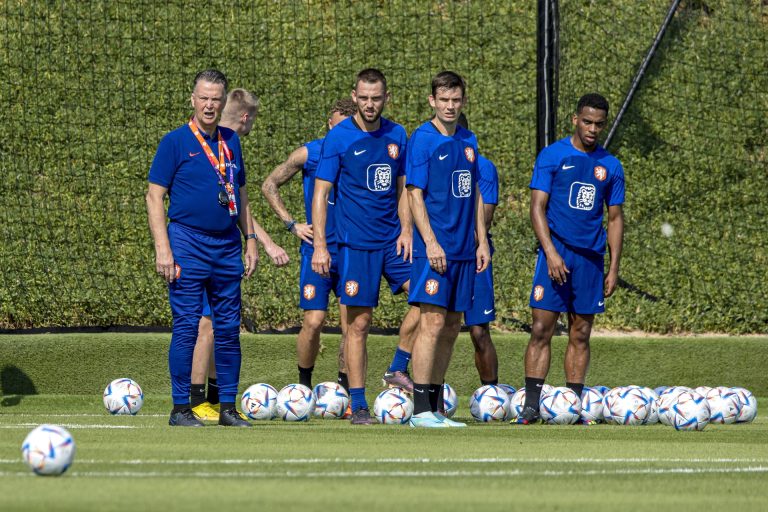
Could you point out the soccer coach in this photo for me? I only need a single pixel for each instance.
(200, 167)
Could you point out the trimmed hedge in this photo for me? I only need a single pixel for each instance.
(91, 87)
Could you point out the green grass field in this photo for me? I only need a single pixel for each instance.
(139, 463)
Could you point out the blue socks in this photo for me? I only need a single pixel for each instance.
(357, 397)
(400, 361)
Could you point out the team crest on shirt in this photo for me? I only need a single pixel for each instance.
(431, 286)
(538, 293)
(309, 291)
(177, 270)
(379, 177)
(469, 152)
(461, 184)
(393, 150)
(601, 173)
(582, 196)
(351, 288)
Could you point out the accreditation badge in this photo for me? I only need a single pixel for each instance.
(231, 197)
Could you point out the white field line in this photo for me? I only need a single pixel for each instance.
(75, 426)
(402, 474)
(81, 415)
(338, 460)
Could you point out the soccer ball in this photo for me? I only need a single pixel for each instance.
(259, 402)
(626, 405)
(690, 411)
(123, 396)
(591, 405)
(561, 406)
(510, 393)
(450, 401)
(331, 400)
(516, 403)
(489, 403)
(601, 389)
(703, 390)
(48, 450)
(667, 399)
(653, 402)
(295, 403)
(659, 390)
(392, 406)
(748, 405)
(724, 405)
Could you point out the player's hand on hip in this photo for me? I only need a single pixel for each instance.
(436, 256)
(251, 258)
(556, 268)
(321, 261)
(164, 265)
(303, 231)
(405, 246)
(279, 256)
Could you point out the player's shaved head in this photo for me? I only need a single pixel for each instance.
(371, 76)
(592, 100)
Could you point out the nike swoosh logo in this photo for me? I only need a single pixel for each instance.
(566, 167)
(193, 154)
(442, 157)
(360, 152)
(419, 391)
(601, 303)
(488, 311)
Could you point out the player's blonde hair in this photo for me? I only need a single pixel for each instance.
(240, 101)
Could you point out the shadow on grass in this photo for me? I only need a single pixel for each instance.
(14, 385)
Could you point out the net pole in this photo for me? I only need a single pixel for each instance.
(546, 59)
(641, 72)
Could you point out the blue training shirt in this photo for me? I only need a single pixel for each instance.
(180, 165)
(488, 183)
(364, 167)
(308, 178)
(578, 184)
(445, 168)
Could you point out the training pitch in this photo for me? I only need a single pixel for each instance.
(139, 463)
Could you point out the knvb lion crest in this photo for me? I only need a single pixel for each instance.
(431, 287)
(538, 293)
(309, 292)
(469, 152)
(351, 288)
(393, 150)
(601, 173)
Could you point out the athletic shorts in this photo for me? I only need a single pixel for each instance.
(582, 293)
(206, 304)
(452, 290)
(362, 270)
(314, 288)
(483, 308)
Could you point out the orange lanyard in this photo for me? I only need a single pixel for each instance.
(218, 164)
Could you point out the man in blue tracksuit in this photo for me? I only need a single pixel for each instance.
(200, 167)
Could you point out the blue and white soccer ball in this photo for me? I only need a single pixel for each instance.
(748, 405)
(690, 411)
(667, 400)
(489, 403)
(560, 406)
(591, 404)
(516, 403)
(601, 389)
(653, 402)
(703, 390)
(393, 407)
(123, 396)
(724, 405)
(331, 400)
(295, 403)
(450, 400)
(48, 450)
(259, 402)
(626, 405)
(510, 393)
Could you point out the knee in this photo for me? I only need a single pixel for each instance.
(481, 337)
(314, 323)
(358, 326)
(579, 336)
(541, 334)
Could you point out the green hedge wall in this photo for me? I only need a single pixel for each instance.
(90, 87)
